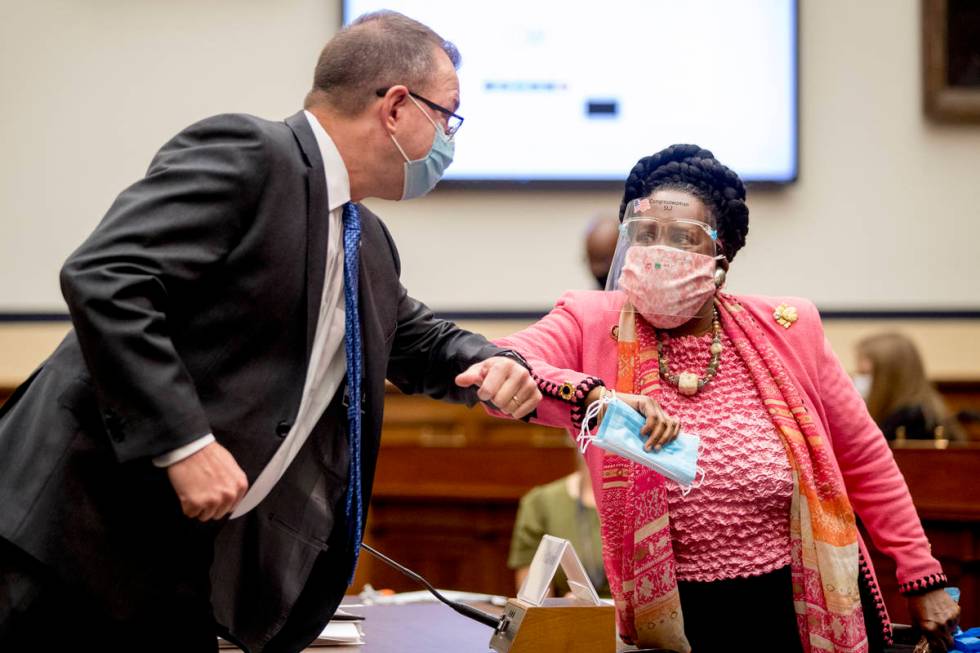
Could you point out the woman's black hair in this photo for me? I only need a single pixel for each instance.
(694, 170)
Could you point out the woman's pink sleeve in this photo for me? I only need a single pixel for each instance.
(553, 348)
(875, 485)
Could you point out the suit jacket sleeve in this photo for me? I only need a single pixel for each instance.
(428, 353)
(161, 235)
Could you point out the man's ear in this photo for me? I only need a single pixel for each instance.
(392, 103)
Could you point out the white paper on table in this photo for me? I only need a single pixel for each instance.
(337, 633)
(554, 552)
(340, 633)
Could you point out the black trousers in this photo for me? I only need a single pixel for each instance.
(40, 612)
(745, 614)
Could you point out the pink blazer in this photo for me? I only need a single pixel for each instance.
(573, 346)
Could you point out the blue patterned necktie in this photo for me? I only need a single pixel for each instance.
(352, 348)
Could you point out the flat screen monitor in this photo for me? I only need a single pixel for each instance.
(564, 92)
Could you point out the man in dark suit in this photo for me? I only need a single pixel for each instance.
(235, 316)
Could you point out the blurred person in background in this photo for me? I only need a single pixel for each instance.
(600, 245)
(901, 400)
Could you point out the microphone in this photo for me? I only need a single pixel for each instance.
(475, 614)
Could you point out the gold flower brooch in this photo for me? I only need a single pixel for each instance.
(785, 315)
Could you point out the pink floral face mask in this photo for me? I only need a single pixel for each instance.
(667, 286)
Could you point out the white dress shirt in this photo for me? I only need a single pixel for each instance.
(328, 362)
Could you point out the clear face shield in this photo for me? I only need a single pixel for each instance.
(665, 261)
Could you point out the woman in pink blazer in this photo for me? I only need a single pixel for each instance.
(766, 544)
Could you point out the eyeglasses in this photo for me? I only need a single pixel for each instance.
(453, 120)
(678, 233)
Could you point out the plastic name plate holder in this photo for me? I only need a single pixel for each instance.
(554, 552)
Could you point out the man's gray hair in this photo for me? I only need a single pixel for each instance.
(376, 51)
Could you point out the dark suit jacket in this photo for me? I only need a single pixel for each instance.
(194, 304)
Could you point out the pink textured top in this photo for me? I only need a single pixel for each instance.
(736, 522)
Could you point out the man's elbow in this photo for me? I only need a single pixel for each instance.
(76, 283)
(68, 279)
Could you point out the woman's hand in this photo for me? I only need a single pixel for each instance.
(660, 429)
(936, 615)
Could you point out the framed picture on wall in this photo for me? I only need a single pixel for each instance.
(951, 60)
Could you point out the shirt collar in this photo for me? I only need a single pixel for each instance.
(338, 183)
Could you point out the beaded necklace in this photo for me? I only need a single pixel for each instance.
(689, 383)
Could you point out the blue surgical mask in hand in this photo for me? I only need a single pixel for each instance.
(619, 433)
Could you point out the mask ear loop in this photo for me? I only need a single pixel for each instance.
(686, 489)
(585, 437)
(699, 475)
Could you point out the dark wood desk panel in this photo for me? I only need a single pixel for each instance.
(963, 396)
(945, 487)
(460, 545)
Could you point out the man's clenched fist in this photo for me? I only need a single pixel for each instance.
(504, 383)
(209, 483)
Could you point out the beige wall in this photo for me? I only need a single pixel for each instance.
(885, 213)
(91, 89)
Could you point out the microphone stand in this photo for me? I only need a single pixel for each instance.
(475, 614)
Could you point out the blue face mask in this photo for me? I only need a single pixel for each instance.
(422, 175)
(619, 433)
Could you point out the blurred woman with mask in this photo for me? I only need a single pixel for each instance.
(891, 378)
(766, 546)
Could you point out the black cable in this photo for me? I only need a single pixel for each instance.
(484, 618)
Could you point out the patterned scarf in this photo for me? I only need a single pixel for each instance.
(823, 536)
